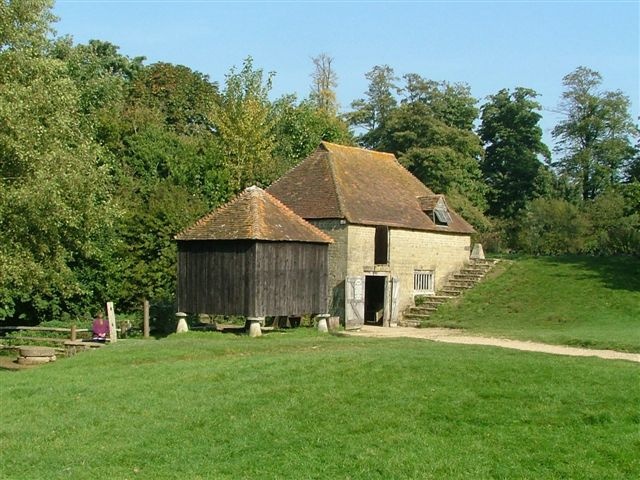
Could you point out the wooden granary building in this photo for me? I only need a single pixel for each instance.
(253, 257)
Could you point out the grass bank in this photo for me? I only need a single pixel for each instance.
(583, 301)
(302, 405)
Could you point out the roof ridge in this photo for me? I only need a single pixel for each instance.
(253, 228)
(328, 146)
(336, 188)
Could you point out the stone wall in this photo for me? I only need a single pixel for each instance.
(413, 250)
(336, 229)
(352, 255)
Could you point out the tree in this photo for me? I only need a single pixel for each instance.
(451, 103)
(431, 134)
(147, 251)
(25, 25)
(552, 227)
(594, 139)
(324, 83)
(244, 127)
(633, 168)
(100, 72)
(183, 97)
(55, 202)
(513, 149)
(371, 113)
(300, 127)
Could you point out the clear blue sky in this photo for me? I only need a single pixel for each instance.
(488, 45)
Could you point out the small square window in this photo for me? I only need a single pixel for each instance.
(423, 282)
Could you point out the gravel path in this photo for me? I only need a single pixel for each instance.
(448, 335)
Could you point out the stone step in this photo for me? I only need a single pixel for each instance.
(416, 316)
(472, 271)
(449, 287)
(487, 262)
(467, 276)
(422, 309)
(435, 300)
(409, 323)
(450, 292)
(461, 283)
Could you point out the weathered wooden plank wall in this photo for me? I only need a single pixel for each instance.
(214, 276)
(291, 278)
(252, 278)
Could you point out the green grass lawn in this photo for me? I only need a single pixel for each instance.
(300, 404)
(585, 301)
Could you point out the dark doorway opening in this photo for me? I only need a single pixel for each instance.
(374, 299)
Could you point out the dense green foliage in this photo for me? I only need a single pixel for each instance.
(319, 406)
(513, 145)
(103, 158)
(594, 138)
(430, 130)
(576, 300)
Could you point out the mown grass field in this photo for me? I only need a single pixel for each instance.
(300, 404)
(584, 301)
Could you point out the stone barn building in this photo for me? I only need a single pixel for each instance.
(393, 237)
(252, 257)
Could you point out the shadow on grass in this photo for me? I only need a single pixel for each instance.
(616, 272)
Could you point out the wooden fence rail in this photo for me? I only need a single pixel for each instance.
(70, 342)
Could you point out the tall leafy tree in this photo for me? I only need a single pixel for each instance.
(371, 112)
(244, 126)
(514, 149)
(25, 26)
(183, 97)
(595, 137)
(55, 207)
(324, 83)
(431, 132)
(300, 127)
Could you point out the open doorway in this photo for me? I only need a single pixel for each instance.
(374, 286)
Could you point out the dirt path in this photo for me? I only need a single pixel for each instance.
(448, 335)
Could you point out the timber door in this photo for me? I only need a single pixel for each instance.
(354, 303)
(393, 290)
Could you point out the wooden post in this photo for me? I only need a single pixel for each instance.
(73, 332)
(111, 315)
(145, 319)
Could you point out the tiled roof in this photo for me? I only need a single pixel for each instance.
(254, 215)
(429, 203)
(362, 186)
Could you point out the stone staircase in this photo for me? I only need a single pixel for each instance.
(455, 286)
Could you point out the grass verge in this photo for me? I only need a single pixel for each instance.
(582, 301)
(302, 405)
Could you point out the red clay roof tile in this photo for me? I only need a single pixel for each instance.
(254, 215)
(362, 186)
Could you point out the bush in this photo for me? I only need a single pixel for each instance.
(552, 227)
(612, 230)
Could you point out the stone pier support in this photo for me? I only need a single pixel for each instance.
(254, 326)
(322, 322)
(182, 322)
